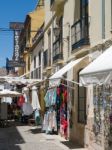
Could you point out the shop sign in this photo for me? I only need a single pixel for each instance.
(16, 45)
(14, 63)
(16, 25)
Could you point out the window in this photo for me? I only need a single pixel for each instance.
(80, 28)
(34, 61)
(83, 8)
(45, 58)
(56, 48)
(61, 33)
(28, 63)
(39, 58)
(76, 32)
(49, 48)
(81, 103)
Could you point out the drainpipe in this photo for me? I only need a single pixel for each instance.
(68, 39)
(111, 15)
(52, 40)
(103, 19)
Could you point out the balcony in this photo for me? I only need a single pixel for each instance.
(45, 55)
(57, 53)
(55, 4)
(47, 60)
(36, 74)
(80, 33)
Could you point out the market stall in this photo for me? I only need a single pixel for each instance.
(99, 75)
(55, 118)
(5, 93)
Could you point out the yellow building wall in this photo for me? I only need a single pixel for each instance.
(37, 19)
(21, 71)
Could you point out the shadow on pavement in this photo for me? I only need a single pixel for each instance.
(71, 145)
(10, 138)
(36, 130)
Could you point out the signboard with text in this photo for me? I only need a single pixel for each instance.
(14, 63)
(16, 53)
(17, 27)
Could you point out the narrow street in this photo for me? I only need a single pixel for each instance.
(31, 138)
(56, 75)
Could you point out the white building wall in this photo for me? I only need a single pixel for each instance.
(48, 13)
(48, 16)
(96, 19)
(35, 53)
(108, 19)
(68, 21)
(96, 38)
(49, 27)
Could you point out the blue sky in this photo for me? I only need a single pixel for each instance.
(11, 11)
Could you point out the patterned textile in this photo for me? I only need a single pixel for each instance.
(56, 116)
(50, 97)
(49, 123)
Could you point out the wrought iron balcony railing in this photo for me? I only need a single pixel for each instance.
(80, 33)
(57, 52)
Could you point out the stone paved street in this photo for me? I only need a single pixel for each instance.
(30, 138)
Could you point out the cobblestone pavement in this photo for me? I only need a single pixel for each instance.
(30, 138)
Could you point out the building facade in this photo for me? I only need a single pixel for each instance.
(72, 30)
(83, 33)
(32, 24)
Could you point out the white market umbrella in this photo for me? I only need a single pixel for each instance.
(26, 94)
(35, 99)
(8, 93)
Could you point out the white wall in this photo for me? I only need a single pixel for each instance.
(95, 11)
(108, 19)
(95, 17)
(48, 16)
(35, 53)
(68, 21)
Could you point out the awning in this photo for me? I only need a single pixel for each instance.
(20, 81)
(8, 93)
(99, 71)
(55, 78)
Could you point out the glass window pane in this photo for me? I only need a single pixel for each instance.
(81, 117)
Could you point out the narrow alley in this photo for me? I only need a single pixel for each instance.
(56, 75)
